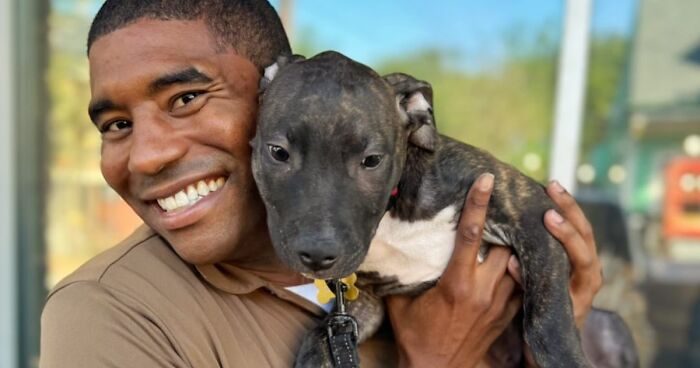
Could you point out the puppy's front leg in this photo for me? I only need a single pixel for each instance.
(314, 352)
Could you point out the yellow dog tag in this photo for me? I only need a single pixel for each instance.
(353, 292)
(325, 294)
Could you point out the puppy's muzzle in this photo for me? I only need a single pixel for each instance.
(317, 261)
(318, 255)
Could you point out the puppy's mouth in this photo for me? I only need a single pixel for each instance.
(338, 271)
(318, 276)
(323, 275)
(346, 263)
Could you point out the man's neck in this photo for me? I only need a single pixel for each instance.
(262, 260)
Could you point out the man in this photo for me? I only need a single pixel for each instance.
(174, 95)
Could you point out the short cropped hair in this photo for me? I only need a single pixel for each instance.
(251, 27)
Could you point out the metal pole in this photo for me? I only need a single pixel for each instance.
(570, 95)
(8, 242)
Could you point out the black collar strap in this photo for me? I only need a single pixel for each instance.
(342, 332)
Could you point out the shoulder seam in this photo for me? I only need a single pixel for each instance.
(98, 280)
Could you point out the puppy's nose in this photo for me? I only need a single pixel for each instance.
(317, 261)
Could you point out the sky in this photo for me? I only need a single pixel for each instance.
(369, 30)
(372, 30)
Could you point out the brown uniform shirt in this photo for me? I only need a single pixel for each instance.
(139, 305)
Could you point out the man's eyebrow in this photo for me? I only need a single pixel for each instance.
(98, 107)
(185, 76)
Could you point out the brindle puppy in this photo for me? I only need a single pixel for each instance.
(335, 139)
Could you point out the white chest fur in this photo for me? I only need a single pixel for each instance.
(412, 252)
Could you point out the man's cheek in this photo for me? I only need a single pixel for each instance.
(115, 172)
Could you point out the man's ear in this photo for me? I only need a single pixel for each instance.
(415, 102)
(272, 70)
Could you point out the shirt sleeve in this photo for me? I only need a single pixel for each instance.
(85, 325)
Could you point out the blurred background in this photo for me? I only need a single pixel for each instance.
(609, 90)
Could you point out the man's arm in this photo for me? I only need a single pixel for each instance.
(84, 325)
(455, 323)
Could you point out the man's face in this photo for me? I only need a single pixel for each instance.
(176, 115)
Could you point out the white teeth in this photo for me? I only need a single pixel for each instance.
(170, 204)
(181, 199)
(202, 188)
(191, 194)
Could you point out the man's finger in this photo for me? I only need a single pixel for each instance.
(580, 256)
(471, 223)
(572, 212)
(502, 298)
(497, 258)
(495, 266)
(514, 269)
(397, 302)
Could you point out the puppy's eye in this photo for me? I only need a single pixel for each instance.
(372, 161)
(278, 153)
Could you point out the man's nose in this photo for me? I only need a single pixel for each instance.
(155, 144)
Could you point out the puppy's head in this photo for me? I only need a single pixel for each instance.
(329, 148)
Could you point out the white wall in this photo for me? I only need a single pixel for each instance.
(8, 244)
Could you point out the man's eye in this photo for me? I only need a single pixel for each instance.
(116, 126)
(372, 161)
(278, 153)
(183, 100)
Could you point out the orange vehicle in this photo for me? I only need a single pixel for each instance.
(681, 211)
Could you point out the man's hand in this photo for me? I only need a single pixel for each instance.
(454, 323)
(574, 231)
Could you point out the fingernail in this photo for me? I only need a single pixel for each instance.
(486, 182)
(556, 217)
(557, 187)
(513, 262)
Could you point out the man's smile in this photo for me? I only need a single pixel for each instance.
(191, 194)
(188, 203)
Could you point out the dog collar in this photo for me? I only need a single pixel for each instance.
(392, 199)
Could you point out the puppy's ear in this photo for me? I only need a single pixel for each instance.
(272, 70)
(415, 102)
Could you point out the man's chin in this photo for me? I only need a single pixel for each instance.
(194, 250)
(196, 257)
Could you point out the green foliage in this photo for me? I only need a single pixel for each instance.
(605, 76)
(506, 110)
(74, 141)
(507, 107)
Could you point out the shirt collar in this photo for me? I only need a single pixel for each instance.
(235, 280)
(231, 279)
